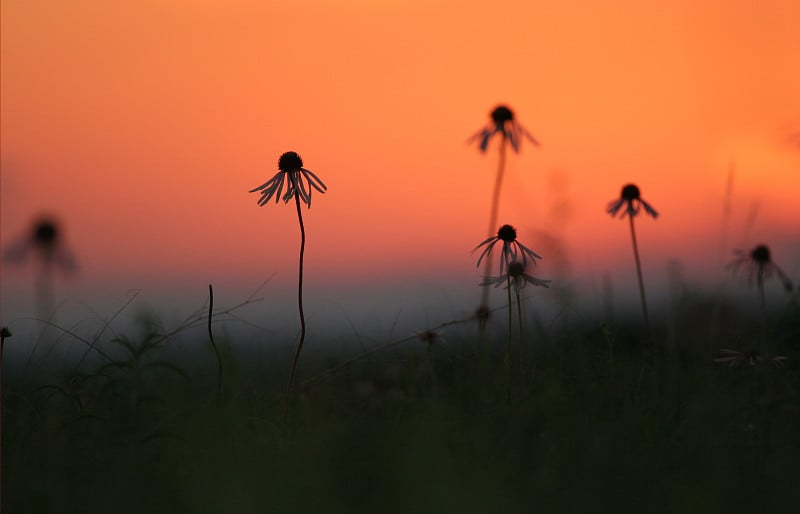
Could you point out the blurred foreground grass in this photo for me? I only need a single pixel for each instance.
(601, 426)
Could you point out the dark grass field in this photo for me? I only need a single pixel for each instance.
(601, 425)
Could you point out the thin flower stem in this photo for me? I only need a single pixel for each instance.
(299, 307)
(3, 336)
(508, 345)
(213, 343)
(487, 267)
(483, 308)
(498, 183)
(641, 283)
(523, 354)
(433, 369)
(760, 284)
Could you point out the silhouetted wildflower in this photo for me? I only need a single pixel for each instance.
(516, 275)
(757, 265)
(632, 198)
(503, 122)
(300, 181)
(513, 250)
(46, 241)
(733, 358)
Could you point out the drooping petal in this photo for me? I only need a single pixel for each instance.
(513, 138)
(291, 188)
(492, 242)
(529, 136)
(314, 180)
(262, 186)
(537, 281)
(485, 140)
(305, 194)
(485, 241)
(649, 209)
(17, 252)
(527, 252)
(615, 206)
(279, 186)
(493, 281)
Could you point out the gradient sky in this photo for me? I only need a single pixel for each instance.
(143, 125)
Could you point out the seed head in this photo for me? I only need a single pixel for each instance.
(502, 114)
(757, 265)
(516, 269)
(45, 233)
(503, 123)
(515, 277)
(630, 192)
(760, 254)
(507, 234)
(512, 249)
(631, 199)
(290, 161)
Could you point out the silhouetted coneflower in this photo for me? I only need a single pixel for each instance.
(512, 250)
(503, 123)
(291, 171)
(757, 265)
(511, 132)
(516, 278)
(45, 243)
(632, 200)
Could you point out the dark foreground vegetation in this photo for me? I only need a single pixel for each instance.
(601, 424)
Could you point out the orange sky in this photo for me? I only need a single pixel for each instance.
(144, 124)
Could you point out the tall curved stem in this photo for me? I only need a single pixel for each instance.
(641, 283)
(498, 185)
(299, 306)
(487, 267)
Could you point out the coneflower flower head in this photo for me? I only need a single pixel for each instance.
(503, 122)
(45, 240)
(630, 197)
(299, 181)
(515, 274)
(512, 250)
(45, 234)
(758, 264)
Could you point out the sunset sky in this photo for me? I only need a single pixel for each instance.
(142, 126)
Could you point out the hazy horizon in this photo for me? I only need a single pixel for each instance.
(141, 129)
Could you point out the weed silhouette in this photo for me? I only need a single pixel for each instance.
(512, 249)
(756, 265)
(514, 258)
(44, 243)
(632, 201)
(300, 182)
(511, 133)
(515, 278)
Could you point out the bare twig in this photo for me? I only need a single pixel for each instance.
(213, 343)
